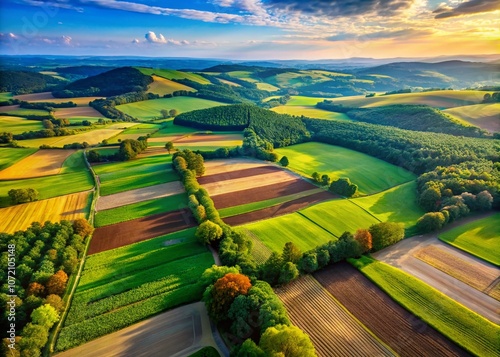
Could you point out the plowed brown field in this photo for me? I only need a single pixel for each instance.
(77, 112)
(333, 331)
(402, 331)
(48, 97)
(120, 234)
(278, 210)
(231, 175)
(41, 163)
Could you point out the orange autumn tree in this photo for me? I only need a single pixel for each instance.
(221, 295)
(57, 283)
(364, 239)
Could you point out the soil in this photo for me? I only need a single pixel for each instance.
(230, 175)
(406, 334)
(137, 230)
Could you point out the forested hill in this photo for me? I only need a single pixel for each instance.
(279, 129)
(22, 82)
(114, 82)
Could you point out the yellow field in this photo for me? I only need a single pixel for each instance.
(485, 116)
(225, 81)
(41, 163)
(20, 217)
(164, 86)
(48, 97)
(309, 111)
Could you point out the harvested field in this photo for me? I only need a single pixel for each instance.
(164, 86)
(48, 97)
(480, 277)
(406, 334)
(9, 156)
(18, 125)
(261, 193)
(332, 329)
(213, 167)
(41, 163)
(20, 217)
(77, 112)
(278, 210)
(231, 175)
(139, 195)
(137, 230)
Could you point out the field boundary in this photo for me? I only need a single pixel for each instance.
(323, 228)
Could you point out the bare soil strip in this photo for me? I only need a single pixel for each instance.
(41, 163)
(77, 112)
(261, 193)
(222, 166)
(48, 97)
(280, 209)
(139, 195)
(245, 183)
(231, 175)
(207, 138)
(406, 334)
(137, 230)
(333, 331)
(479, 277)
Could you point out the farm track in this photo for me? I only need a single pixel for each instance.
(333, 331)
(41, 163)
(261, 193)
(280, 209)
(231, 175)
(406, 334)
(139, 195)
(137, 230)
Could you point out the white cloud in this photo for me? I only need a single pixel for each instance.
(151, 37)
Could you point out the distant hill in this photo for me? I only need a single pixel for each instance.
(86, 71)
(22, 82)
(114, 82)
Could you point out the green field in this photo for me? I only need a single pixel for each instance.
(485, 116)
(135, 131)
(304, 101)
(140, 209)
(480, 238)
(124, 176)
(310, 112)
(150, 109)
(17, 125)
(122, 286)
(397, 204)
(173, 74)
(370, 174)
(74, 177)
(275, 232)
(23, 112)
(4, 96)
(9, 156)
(466, 328)
(266, 86)
(169, 128)
(164, 86)
(338, 216)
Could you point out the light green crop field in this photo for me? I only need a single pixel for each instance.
(150, 109)
(4, 96)
(370, 174)
(397, 204)
(339, 216)
(164, 86)
(74, 177)
(310, 112)
(266, 86)
(79, 119)
(461, 325)
(480, 238)
(23, 111)
(485, 116)
(173, 74)
(137, 173)
(135, 131)
(169, 128)
(241, 74)
(304, 101)
(140, 209)
(275, 232)
(17, 125)
(123, 286)
(9, 156)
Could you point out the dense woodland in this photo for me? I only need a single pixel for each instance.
(22, 82)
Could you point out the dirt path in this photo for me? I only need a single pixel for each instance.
(176, 333)
(401, 256)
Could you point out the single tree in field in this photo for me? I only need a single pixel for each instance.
(284, 161)
(169, 146)
(343, 187)
(172, 112)
(164, 113)
(289, 341)
(221, 295)
(291, 253)
(364, 238)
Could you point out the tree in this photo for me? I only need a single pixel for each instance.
(94, 156)
(250, 349)
(223, 293)
(284, 161)
(325, 180)
(316, 176)
(55, 301)
(271, 269)
(343, 187)
(309, 262)
(431, 221)
(23, 195)
(289, 341)
(164, 113)
(430, 199)
(288, 273)
(172, 112)
(45, 316)
(169, 146)
(57, 283)
(364, 239)
(208, 232)
(214, 273)
(291, 253)
(35, 289)
(484, 200)
(34, 338)
(82, 227)
(386, 233)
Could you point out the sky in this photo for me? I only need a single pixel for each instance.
(251, 29)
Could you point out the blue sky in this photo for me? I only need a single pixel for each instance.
(251, 29)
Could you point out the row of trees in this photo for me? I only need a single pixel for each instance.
(22, 195)
(129, 149)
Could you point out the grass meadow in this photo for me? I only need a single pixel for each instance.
(18, 125)
(485, 116)
(164, 86)
(173, 74)
(9, 156)
(480, 238)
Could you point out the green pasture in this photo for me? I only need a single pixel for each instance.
(397, 204)
(123, 286)
(485, 116)
(135, 131)
(480, 238)
(150, 109)
(461, 325)
(266, 86)
(169, 128)
(74, 177)
(9, 156)
(4, 96)
(24, 112)
(17, 125)
(370, 174)
(310, 112)
(304, 101)
(140, 209)
(173, 74)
